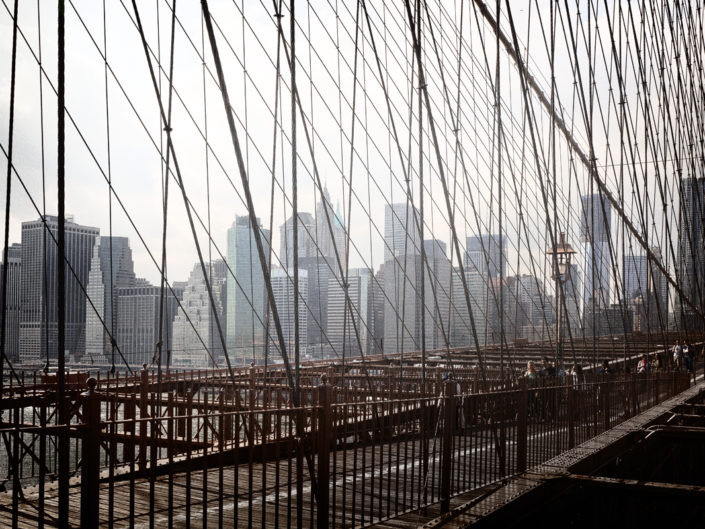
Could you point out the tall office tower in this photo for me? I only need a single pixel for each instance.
(283, 288)
(319, 271)
(691, 249)
(482, 255)
(571, 291)
(316, 256)
(246, 293)
(645, 290)
(39, 314)
(195, 329)
(401, 232)
(460, 324)
(660, 289)
(111, 268)
(323, 236)
(524, 300)
(595, 222)
(359, 316)
(13, 300)
(306, 239)
(138, 321)
(635, 276)
(436, 294)
(378, 310)
(402, 304)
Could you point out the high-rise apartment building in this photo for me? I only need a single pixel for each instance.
(246, 292)
(12, 300)
(39, 314)
(196, 340)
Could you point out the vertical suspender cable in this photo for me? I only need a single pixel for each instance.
(3, 314)
(63, 451)
(294, 194)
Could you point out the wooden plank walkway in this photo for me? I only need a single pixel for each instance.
(384, 484)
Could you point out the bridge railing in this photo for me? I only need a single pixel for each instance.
(346, 457)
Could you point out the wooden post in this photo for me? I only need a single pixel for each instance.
(325, 399)
(522, 430)
(90, 458)
(447, 447)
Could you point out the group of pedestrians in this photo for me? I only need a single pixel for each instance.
(683, 357)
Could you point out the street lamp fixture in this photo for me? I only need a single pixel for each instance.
(563, 254)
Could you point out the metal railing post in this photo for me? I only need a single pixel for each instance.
(604, 391)
(448, 431)
(571, 416)
(324, 435)
(90, 457)
(522, 418)
(144, 412)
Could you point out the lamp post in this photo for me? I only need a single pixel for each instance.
(562, 255)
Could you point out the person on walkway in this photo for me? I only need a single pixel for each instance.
(548, 369)
(605, 369)
(642, 368)
(531, 374)
(687, 357)
(677, 356)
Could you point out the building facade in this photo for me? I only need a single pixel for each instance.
(283, 288)
(246, 293)
(111, 268)
(39, 313)
(196, 339)
(595, 226)
(13, 299)
(359, 316)
(138, 321)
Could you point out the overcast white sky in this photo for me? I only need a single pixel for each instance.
(325, 52)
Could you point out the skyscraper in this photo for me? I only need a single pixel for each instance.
(595, 222)
(436, 294)
(691, 247)
(402, 304)
(482, 255)
(325, 240)
(306, 239)
(111, 268)
(138, 321)
(461, 328)
(378, 309)
(13, 300)
(195, 329)
(246, 292)
(635, 276)
(401, 234)
(283, 288)
(341, 331)
(39, 315)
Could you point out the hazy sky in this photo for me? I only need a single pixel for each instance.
(325, 49)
